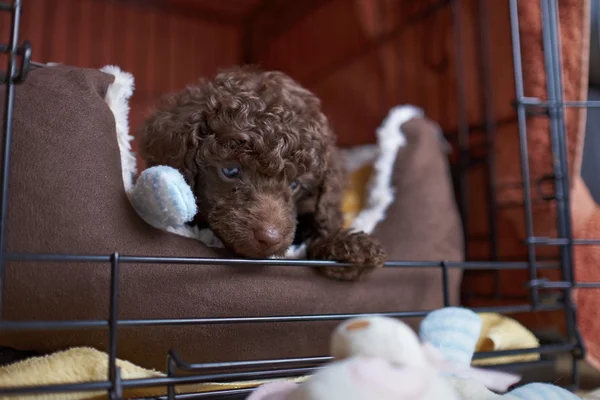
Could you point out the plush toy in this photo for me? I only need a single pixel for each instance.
(454, 332)
(365, 368)
(382, 358)
(361, 378)
(162, 197)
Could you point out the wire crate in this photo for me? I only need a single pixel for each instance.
(181, 371)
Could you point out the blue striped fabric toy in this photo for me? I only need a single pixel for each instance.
(454, 331)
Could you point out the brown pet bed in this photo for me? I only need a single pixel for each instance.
(67, 195)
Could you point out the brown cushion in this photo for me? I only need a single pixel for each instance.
(423, 223)
(66, 196)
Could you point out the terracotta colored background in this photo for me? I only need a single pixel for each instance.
(163, 48)
(360, 56)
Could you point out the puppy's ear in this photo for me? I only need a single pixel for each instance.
(171, 135)
(329, 218)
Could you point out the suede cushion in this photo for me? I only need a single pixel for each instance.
(66, 196)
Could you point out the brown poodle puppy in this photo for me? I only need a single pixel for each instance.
(261, 160)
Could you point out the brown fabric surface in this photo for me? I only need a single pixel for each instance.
(423, 223)
(66, 196)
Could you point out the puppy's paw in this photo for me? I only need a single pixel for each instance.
(359, 249)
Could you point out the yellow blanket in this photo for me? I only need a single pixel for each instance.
(84, 364)
(500, 333)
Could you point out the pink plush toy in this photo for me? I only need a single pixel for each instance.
(382, 358)
(359, 378)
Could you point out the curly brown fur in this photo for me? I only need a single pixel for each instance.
(261, 160)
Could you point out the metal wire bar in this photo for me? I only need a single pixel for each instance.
(534, 101)
(123, 259)
(552, 58)
(113, 374)
(116, 391)
(445, 284)
(295, 362)
(9, 98)
(212, 395)
(96, 324)
(64, 388)
(557, 128)
(490, 131)
(171, 367)
(155, 382)
(522, 123)
(545, 241)
(184, 365)
(463, 124)
(586, 285)
(543, 283)
(552, 62)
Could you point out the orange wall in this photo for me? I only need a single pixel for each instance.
(364, 56)
(332, 52)
(163, 51)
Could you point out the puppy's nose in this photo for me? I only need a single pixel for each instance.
(269, 236)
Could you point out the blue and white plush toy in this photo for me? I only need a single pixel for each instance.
(162, 197)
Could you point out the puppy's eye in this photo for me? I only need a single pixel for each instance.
(294, 186)
(231, 172)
